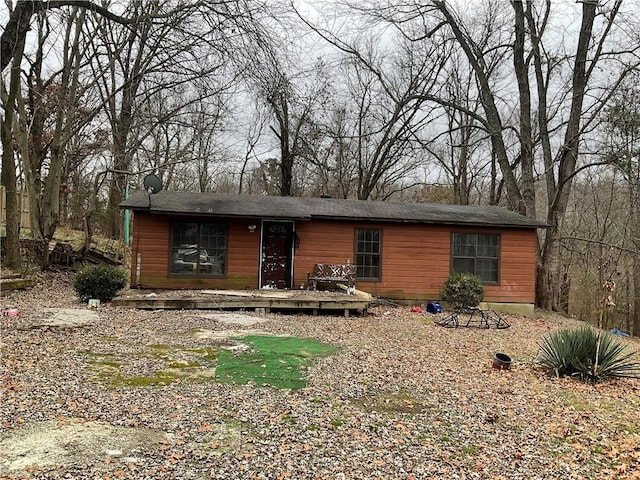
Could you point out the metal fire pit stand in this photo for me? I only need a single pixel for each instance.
(473, 317)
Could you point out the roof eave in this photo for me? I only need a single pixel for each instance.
(427, 222)
(158, 211)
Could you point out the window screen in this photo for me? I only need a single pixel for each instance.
(477, 253)
(368, 253)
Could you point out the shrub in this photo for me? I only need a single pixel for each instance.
(462, 290)
(585, 353)
(99, 281)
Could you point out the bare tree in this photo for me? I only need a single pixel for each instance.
(293, 103)
(389, 93)
(390, 112)
(457, 146)
(45, 123)
(19, 23)
(623, 152)
(591, 53)
(253, 135)
(329, 168)
(191, 46)
(122, 58)
(596, 250)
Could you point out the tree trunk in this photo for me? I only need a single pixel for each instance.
(122, 161)
(492, 114)
(65, 119)
(634, 217)
(548, 279)
(286, 155)
(42, 178)
(116, 195)
(123, 121)
(521, 69)
(541, 87)
(546, 271)
(12, 257)
(280, 105)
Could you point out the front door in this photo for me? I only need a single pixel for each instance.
(277, 253)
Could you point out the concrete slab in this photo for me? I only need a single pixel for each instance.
(234, 318)
(517, 308)
(68, 318)
(42, 444)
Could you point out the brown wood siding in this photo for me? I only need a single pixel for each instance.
(151, 237)
(321, 242)
(517, 268)
(416, 259)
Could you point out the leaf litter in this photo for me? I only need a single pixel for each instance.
(400, 399)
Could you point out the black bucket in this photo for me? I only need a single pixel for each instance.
(501, 361)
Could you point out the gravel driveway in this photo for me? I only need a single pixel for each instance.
(402, 399)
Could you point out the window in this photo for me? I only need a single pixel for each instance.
(477, 253)
(368, 253)
(198, 249)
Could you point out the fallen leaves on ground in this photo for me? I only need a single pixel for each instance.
(401, 399)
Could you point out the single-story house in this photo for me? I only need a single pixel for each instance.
(401, 251)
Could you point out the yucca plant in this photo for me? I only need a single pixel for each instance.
(583, 352)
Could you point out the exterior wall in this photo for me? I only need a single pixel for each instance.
(151, 239)
(416, 259)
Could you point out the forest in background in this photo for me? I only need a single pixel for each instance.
(533, 105)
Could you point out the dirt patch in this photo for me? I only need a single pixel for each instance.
(53, 443)
(222, 335)
(233, 318)
(155, 365)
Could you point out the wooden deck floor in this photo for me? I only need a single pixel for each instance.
(260, 301)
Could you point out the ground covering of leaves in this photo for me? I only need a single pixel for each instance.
(402, 399)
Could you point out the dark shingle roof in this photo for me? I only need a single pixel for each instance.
(300, 208)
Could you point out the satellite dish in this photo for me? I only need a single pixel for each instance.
(152, 184)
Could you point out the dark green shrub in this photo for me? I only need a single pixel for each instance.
(587, 354)
(99, 281)
(462, 290)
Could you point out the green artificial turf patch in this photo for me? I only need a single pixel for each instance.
(276, 361)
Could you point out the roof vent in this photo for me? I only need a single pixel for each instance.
(325, 195)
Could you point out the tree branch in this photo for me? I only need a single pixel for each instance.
(600, 242)
(19, 22)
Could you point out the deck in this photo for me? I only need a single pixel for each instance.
(262, 301)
